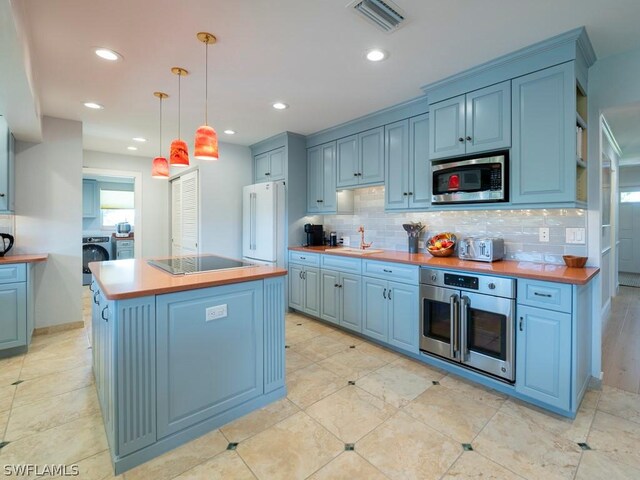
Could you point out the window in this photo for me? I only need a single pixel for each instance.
(116, 206)
(630, 197)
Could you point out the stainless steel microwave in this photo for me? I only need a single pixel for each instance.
(471, 180)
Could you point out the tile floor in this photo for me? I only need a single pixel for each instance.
(399, 420)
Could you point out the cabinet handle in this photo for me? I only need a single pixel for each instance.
(320, 201)
(538, 294)
(267, 174)
(387, 271)
(384, 294)
(1, 195)
(304, 275)
(336, 285)
(521, 320)
(405, 194)
(106, 319)
(468, 138)
(359, 174)
(95, 298)
(303, 258)
(410, 193)
(339, 286)
(300, 275)
(461, 139)
(355, 174)
(91, 287)
(389, 294)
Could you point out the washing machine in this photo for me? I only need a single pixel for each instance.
(94, 249)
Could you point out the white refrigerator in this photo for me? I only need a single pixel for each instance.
(263, 223)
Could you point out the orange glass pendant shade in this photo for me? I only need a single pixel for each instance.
(179, 154)
(160, 168)
(206, 144)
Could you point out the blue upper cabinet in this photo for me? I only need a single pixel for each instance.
(407, 183)
(543, 157)
(321, 182)
(478, 121)
(360, 159)
(90, 199)
(7, 175)
(488, 117)
(314, 182)
(447, 129)
(269, 166)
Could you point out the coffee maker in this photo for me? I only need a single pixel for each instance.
(315, 234)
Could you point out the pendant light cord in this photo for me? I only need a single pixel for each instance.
(179, 103)
(160, 154)
(206, 80)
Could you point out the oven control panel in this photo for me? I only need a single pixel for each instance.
(462, 281)
(486, 284)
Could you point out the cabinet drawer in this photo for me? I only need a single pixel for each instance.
(341, 264)
(14, 272)
(124, 243)
(311, 259)
(552, 296)
(397, 272)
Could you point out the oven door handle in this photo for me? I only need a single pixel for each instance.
(453, 313)
(464, 320)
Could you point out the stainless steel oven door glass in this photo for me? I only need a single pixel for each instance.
(438, 306)
(487, 334)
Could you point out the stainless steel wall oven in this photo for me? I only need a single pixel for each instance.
(469, 319)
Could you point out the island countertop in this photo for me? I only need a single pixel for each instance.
(121, 279)
(508, 268)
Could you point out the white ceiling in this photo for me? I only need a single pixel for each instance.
(308, 54)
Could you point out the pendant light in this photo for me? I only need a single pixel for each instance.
(206, 143)
(179, 153)
(160, 166)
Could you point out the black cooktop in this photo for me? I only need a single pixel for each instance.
(198, 264)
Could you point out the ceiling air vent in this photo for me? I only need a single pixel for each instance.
(384, 15)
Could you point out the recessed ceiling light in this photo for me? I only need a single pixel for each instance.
(139, 139)
(376, 55)
(132, 148)
(280, 106)
(107, 54)
(95, 106)
(230, 132)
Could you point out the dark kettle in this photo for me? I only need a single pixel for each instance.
(4, 246)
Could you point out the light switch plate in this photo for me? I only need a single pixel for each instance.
(420, 243)
(575, 235)
(346, 241)
(214, 313)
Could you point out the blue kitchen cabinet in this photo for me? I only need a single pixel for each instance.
(269, 166)
(396, 140)
(543, 157)
(311, 277)
(304, 287)
(479, 121)
(403, 316)
(408, 173)
(321, 182)
(7, 168)
(360, 159)
(13, 315)
(543, 355)
(90, 200)
(330, 296)
(374, 308)
(206, 366)
(341, 299)
(296, 287)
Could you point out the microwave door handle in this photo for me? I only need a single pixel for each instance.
(453, 317)
(464, 320)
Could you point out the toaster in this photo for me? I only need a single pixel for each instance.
(481, 249)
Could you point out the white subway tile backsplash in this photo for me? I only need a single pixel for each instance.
(519, 228)
(7, 224)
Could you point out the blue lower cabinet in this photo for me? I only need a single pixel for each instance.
(304, 289)
(543, 356)
(351, 301)
(13, 315)
(375, 308)
(330, 296)
(403, 316)
(206, 366)
(296, 287)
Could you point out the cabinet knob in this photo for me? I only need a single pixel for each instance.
(1, 195)
(434, 277)
(461, 139)
(359, 174)
(410, 193)
(355, 174)
(468, 138)
(405, 194)
(492, 286)
(267, 174)
(320, 201)
(336, 285)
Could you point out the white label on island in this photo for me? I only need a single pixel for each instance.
(213, 313)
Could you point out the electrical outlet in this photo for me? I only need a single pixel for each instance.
(346, 241)
(420, 243)
(543, 234)
(213, 313)
(575, 235)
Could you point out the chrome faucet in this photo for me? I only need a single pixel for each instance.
(363, 245)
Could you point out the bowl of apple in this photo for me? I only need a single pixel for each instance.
(442, 245)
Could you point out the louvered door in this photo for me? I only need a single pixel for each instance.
(185, 218)
(176, 217)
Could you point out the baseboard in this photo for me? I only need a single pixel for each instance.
(62, 327)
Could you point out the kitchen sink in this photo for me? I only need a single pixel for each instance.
(354, 251)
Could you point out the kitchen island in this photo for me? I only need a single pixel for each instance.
(176, 356)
